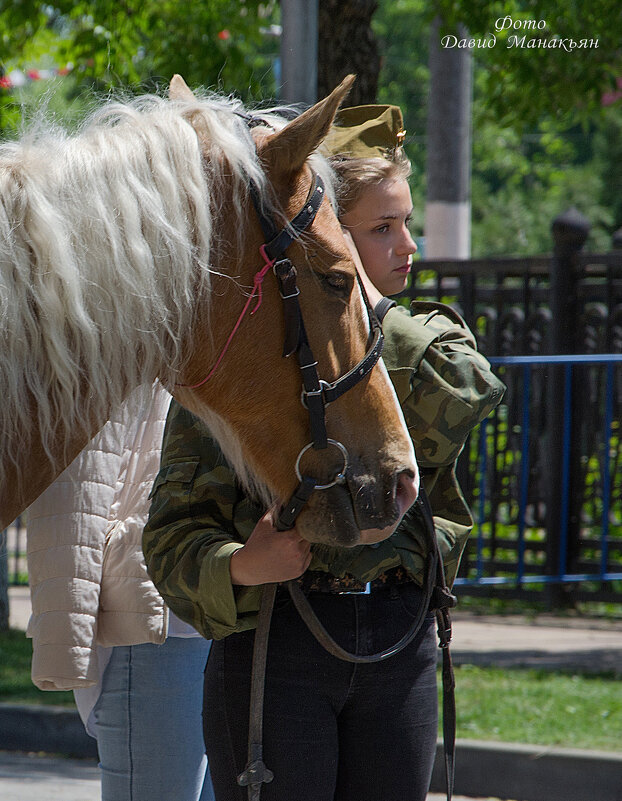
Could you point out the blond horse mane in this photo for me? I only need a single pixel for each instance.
(105, 243)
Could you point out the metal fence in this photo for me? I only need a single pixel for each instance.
(518, 493)
(542, 478)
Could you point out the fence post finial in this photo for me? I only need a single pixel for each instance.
(570, 230)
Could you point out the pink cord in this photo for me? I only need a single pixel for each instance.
(257, 290)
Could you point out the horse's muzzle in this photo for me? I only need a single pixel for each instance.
(362, 512)
(402, 498)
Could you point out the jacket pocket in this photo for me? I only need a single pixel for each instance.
(176, 472)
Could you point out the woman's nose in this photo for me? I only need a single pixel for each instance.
(408, 245)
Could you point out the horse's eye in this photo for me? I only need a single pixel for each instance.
(339, 283)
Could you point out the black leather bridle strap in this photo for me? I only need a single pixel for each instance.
(277, 241)
(256, 773)
(295, 505)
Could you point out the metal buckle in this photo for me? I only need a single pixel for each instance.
(293, 295)
(314, 393)
(365, 591)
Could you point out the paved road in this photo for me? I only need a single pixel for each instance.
(25, 777)
(544, 642)
(28, 777)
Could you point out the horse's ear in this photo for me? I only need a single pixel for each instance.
(288, 149)
(178, 89)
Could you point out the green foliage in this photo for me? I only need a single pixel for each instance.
(521, 182)
(404, 77)
(542, 141)
(16, 686)
(142, 43)
(521, 84)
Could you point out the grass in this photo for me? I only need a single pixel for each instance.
(495, 605)
(539, 707)
(528, 706)
(16, 686)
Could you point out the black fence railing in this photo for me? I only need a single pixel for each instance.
(543, 497)
(512, 547)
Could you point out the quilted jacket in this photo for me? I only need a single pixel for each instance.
(88, 581)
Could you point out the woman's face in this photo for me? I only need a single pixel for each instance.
(378, 223)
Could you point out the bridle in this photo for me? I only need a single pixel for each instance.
(316, 393)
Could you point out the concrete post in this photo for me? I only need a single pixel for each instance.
(448, 207)
(299, 20)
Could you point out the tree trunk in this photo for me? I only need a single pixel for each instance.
(347, 44)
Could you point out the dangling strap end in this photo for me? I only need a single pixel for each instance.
(292, 509)
(255, 773)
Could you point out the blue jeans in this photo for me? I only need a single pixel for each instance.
(148, 715)
(333, 731)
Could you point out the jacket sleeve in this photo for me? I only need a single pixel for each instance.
(199, 517)
(87, 578)
(446, 388)
(444, 385)
(66, 536)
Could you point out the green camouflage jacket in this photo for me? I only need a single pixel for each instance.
(199, 515)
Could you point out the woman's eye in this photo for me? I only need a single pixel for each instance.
(382, 229)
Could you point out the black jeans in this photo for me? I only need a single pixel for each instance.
(333, 731)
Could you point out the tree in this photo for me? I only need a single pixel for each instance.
(548, 58)
(347, 44)
(529, 164)
(114, 43)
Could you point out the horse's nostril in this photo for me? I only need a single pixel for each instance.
(406, 490)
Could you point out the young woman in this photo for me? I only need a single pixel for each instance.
(333, 730)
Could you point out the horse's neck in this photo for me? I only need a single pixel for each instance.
(25, 480)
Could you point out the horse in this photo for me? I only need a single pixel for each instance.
(129, 249)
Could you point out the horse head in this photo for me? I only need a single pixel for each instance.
(128, 250)
(252, 401)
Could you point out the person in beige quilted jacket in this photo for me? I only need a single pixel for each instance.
(99, 626)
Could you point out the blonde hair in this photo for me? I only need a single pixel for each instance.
(354, 175)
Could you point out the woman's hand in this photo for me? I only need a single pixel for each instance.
(373, 294)
(270, 556)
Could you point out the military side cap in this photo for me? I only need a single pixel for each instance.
(366, 132)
